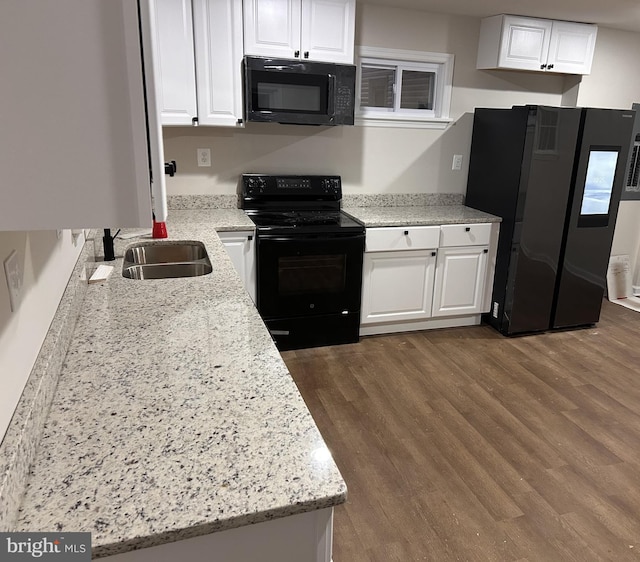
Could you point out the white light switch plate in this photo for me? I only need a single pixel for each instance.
(457, 162)
(14, 279)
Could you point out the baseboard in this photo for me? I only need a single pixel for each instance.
(412, 326)
(636, 290)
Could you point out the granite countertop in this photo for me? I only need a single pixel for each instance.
(174, 415)
(419, 215)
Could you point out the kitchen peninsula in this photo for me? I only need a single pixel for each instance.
(175, 419)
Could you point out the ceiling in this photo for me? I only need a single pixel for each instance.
(618, 14)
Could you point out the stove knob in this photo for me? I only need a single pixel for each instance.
(255, 185)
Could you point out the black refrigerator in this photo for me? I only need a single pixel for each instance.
(555, 176)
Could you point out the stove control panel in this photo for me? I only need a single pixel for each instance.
(331, 185)
(255, 185)
(264, 187)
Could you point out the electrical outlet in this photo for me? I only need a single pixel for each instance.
(14, 279)
(457, 162)
(204, 157)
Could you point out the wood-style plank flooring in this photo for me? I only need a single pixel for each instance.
(461, 444)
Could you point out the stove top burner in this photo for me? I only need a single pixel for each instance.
(303, 220)
(296, 205)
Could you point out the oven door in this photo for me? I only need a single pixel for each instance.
(309, 275)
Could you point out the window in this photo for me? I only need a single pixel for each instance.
(403, 88)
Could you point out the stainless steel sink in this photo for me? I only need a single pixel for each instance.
(169, 252)
(166, 260)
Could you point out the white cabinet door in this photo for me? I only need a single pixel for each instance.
(525, 43)
(272, 28)
(397, 285)
(571, 47)
(459, 282)
(218, 52)
(241, 249)
(172, 26)
(328, 30)
(73, 142)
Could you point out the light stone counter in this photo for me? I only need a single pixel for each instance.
(419, 215)
(174, 415)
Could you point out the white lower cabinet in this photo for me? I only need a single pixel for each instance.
(422, 277)
(172, 27)
(240, 246)
(460, 279)
(397, 285)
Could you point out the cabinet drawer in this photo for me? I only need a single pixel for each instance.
(465, 234)
(402, 238)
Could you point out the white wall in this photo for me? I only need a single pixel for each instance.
(615, 83)
(47, 263)
(369, 159)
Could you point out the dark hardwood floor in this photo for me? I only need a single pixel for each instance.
(461, 444)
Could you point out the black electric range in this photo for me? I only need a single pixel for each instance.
(309, 259)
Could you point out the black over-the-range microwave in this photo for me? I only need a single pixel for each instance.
(299, 92)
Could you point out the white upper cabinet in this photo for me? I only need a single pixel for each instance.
(328, 30)
(522, 43)
(74, 150)
(218, 45)
(198, 60)
(272, 28)
(172, 23)
(571, 47)
(322, 30)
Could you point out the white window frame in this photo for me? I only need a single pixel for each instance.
(439, 63)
